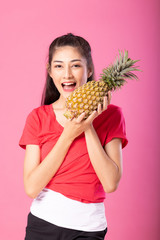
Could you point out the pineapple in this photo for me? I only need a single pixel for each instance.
(87, 97)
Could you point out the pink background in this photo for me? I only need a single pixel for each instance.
(27, 28)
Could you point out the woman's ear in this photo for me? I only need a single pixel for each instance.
(48, 68)
(89, 72)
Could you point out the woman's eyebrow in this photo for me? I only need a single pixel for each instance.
(74, 60)
(58, 61)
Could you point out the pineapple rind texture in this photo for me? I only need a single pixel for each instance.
(87, 97)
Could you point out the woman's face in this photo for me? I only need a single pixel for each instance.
(68, 70)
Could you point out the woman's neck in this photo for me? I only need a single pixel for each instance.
(59, 104)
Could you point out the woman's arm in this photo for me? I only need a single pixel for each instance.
(107, 162)
(36, 174)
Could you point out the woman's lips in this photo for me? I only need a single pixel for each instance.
(69, 86)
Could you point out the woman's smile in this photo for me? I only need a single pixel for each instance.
(69, 86)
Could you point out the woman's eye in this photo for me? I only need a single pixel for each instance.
(76, 65)
(58, 66)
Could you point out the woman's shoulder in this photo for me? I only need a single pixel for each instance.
(41, 110)
(40, 113)
(113, 109)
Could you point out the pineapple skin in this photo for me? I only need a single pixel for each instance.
(86, 99)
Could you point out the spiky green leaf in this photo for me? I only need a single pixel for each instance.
(121, 69)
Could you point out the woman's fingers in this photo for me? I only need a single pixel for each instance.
(99, 109)
(80, 118)
(105, 103)
(93, 115)
(103, 107)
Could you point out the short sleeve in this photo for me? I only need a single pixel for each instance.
(116, 127)
(30, 131)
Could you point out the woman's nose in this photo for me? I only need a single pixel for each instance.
(68, 73)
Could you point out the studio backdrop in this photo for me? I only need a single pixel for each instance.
(27, 28)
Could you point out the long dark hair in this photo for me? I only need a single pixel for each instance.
(50, 92)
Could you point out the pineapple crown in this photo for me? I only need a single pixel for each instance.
(116, 74)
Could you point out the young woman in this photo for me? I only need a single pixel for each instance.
(70, 164)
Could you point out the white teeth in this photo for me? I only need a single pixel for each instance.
(67, 84)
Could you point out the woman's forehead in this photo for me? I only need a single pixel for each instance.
(67, 53)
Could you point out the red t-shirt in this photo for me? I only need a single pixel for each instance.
(76, 177)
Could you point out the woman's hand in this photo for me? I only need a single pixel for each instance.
(106, 102)
(74, 127)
